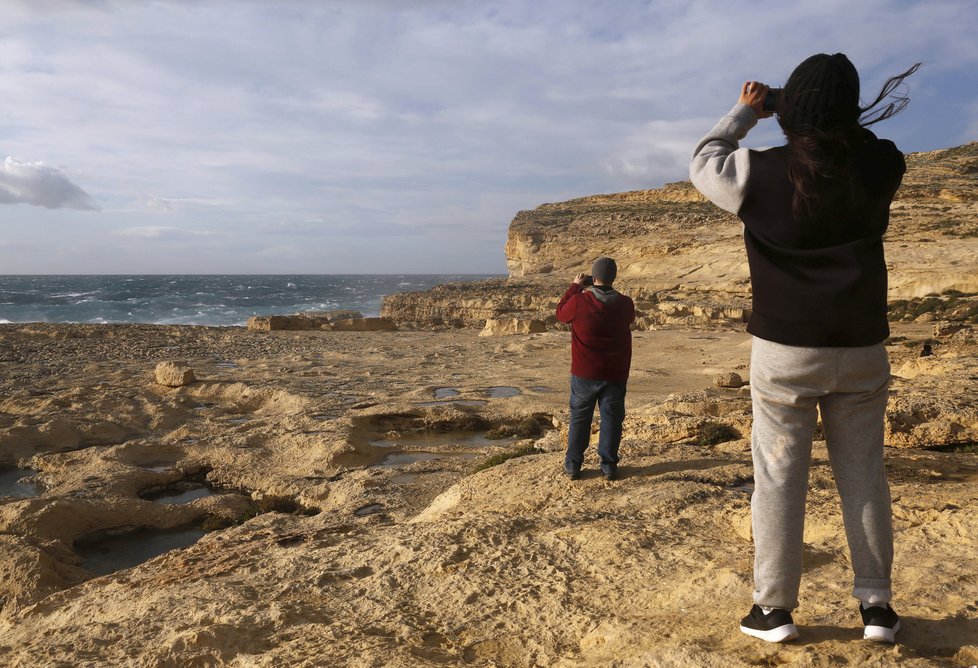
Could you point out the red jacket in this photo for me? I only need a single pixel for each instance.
(601, 336)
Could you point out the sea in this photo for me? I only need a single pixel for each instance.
(215, 300)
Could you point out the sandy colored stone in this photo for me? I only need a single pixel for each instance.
(300, 321)
(364, 325)
(511, 327)
(730, 379)
(943, 329)
(174, 374)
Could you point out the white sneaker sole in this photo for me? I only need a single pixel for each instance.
(883, 634)
(780, 634)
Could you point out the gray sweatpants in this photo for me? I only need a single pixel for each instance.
(789, 386)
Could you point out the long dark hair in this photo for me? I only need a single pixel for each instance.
(823, 122)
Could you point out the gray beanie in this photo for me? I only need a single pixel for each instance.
(605, 270)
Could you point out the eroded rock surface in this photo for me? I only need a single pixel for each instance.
(350, 525)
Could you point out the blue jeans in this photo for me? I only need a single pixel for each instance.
(610, 397)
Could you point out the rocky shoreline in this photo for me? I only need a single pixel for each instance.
(682, 260)
(331, 491)
(347, 498)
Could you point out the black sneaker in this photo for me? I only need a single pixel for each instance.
(881, 624)
(611, 474)
(573, 474)
(774, 626)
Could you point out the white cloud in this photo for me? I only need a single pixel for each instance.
(36, 183)
(381, 121)
(162, 232)
(156, 203)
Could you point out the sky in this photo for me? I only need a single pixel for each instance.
(398, 136)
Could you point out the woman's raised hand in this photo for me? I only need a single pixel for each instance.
(752, 94)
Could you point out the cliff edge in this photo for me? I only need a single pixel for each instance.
(681, 258)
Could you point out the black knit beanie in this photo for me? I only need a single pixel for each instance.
(822, 94)
(605, 270)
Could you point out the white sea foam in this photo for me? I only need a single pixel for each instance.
(179, 299)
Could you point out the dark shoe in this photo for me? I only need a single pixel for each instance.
(881, 624)
(573, 474)
(775, 626)
(611, 474)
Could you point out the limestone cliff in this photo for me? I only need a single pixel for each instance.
(682, 258)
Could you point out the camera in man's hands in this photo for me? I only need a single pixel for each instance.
(771, 100)
(587, 281)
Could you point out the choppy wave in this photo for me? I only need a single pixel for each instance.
(197, 300)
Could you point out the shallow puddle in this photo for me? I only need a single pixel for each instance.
(468, 439)
(13, 483)
(405, 479)
(446, 392)
(540, 388)
(396, 459)
(371, 509)
(963, 475)
(461, 402)
(183, 492)
(114, 553)
(226, 364)
(503, 392)
(158, 466)
(237, 420)
(385, 443)
(747, 487)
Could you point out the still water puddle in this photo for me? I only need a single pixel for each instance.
(468, 439)
(158, 466)
(460, 402)
(446, 392)
(745, 486)
(114, 553)
(405, 479)
(371, 509)
(13, 483)
(962, 475)
(179, 493)
(503, 392)
(396, 459)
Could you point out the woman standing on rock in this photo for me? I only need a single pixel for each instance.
(814, 214)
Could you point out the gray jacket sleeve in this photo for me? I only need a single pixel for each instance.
(719, 168)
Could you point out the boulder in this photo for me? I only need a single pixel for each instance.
(364, 325)
(511, 326)
(174, 374)
(945, 328)
(267, 323)
(301, 321)
(343, 314)
(730, 379)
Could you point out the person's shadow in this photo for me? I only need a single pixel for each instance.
(927, 638)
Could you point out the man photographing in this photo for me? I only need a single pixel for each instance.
(601, 354)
